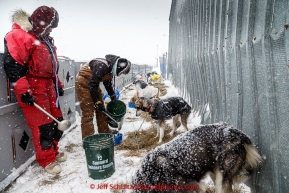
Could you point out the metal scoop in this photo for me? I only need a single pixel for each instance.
(119, 125)
(62, 126)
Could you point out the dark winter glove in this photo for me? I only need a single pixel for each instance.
(99, 106)
(113, 97)
(60, 91)
(27, 98)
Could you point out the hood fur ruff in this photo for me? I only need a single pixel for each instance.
(21, 18)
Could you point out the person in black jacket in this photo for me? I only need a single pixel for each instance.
(89, 93)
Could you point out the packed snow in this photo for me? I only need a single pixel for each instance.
(74, 176)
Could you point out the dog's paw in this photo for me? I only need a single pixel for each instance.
(160, 141)
(171, 133)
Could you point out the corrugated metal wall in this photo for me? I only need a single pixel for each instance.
(229, 58)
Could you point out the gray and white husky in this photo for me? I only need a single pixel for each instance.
(162, 110)
(220, 150)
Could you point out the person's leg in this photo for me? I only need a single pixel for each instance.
(86, 106)
(101, 118)
(55, 112)
(41, 126)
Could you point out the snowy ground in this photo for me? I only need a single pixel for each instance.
(74, 177)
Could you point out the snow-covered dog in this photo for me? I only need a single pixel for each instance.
(161, 110)
(220, 150)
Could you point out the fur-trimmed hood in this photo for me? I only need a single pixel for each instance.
(119, 65)
(43, 19)
(20, 17)
(111, 59)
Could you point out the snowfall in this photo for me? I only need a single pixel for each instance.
(74, 176)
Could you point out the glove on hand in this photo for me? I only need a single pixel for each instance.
(113, 97)
(27, 98)
(60, 91)
(99, 106)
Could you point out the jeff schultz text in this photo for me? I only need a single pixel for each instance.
(144, 187)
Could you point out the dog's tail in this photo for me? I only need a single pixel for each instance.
(253, 158)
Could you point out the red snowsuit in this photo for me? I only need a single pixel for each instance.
(29, 63)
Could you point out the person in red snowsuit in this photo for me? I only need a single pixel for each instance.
(30, 62)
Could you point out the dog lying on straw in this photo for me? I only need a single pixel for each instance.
(220, 150)
(162, 110)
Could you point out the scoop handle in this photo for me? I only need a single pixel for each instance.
(49, 115)
(110, 117)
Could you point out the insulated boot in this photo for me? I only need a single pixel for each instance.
(61, 157)
(53, 168)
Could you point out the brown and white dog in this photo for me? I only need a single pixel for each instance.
(220, 150)
(144, 90)
(162, 110)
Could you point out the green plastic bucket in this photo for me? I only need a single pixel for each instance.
(99, 151)
(116, 109)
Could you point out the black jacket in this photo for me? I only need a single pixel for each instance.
(101, 72)
(167, 108)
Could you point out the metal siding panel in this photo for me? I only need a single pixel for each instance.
(227, 60)
(78, 65)
(265, 181)
(210, 74)
(6, 158)
(12, 122)
(281, 79)
(69, 110)
(21, 155)
(12, 119)
(3, 87)
(6, 96)
(244, 83)
(66, 73)
(221, 56)
(248, 70)
(67, 104)
(234, 88)
(217, 62)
